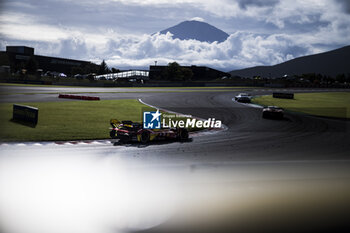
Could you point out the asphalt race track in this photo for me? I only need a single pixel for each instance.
(248, 135)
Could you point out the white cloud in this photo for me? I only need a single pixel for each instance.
(288, 29)
(25, 27)
(239, 50)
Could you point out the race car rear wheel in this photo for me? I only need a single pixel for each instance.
(183, 134)
(265, 115)
(145, 136)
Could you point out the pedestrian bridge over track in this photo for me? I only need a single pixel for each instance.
(130, 74)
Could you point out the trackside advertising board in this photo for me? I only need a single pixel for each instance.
(283, 95)
(26, 115)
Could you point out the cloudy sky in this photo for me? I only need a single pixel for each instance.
(123, 32)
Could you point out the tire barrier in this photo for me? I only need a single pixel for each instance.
(283, 95)
(78, 97)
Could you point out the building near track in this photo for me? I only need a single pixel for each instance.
(19, 56)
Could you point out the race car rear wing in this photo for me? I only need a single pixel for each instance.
(114, 123)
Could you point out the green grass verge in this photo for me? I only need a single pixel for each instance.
(328, 104)
(71, 120)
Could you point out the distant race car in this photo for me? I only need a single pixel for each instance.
(128, 131)
(243, 98)
(272, 112)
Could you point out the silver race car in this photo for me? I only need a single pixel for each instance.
(243, 98)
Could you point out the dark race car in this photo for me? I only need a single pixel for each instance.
(128, 131)
(272, 112)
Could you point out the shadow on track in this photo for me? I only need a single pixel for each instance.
(152, 143)
(277, 119)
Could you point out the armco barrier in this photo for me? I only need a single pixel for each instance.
(283, 95)
(78, 97)
(26, 115)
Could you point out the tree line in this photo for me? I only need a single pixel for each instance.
(175, 72)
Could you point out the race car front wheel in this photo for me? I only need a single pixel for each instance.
(145, 137)
(112, 133)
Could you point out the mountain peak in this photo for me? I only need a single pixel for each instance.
(329, 63)
(196, 30)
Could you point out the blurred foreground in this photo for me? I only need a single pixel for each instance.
(55, 189)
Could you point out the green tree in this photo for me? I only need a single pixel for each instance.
(173, 72)
(114, 70)
(103, 68)
(90, 68)
(187, 74)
